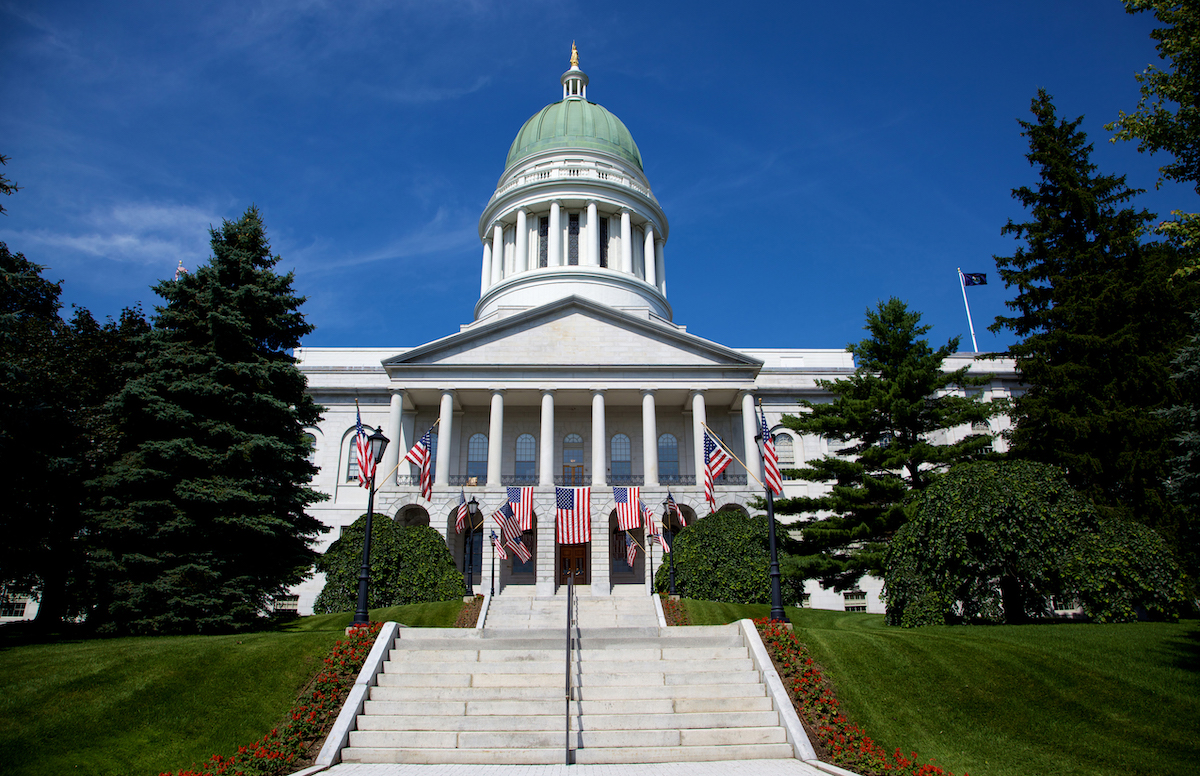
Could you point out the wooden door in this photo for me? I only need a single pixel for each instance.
(574, 558)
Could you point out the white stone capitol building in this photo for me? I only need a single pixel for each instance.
(573, 372)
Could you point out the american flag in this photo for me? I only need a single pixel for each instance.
(629, 508)
(362, 446)
(419, 455)
(522, 504)
(770, 459)
(631, 549)
(461, 521)
(715, 462)
(511, 532)
(673, 507)
(498, 547)
(573, 515)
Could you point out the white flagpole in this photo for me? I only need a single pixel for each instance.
(962, 283)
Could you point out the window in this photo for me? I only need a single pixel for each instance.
(543, 239)
(573, 239)
(603, 241)
(312, 448)
(352, 461)
(432, 455)
(621, 461)
(668, 456)
(289, 604)
(573, 460)
(854, 601)
(477, 455)
(785, 448)
(526, 461)
(12, 607)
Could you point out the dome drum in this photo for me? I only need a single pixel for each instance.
(535, 288)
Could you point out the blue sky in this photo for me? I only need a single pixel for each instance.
(813, 158)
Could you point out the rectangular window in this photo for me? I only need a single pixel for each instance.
(525, 470)
(286, 603)
(854, 601)
(13, 608)
(573, 239)
(603, 241)
(543, 240)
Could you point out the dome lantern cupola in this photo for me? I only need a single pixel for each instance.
(573, 214)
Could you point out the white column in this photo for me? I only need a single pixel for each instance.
(485, 275)
(522, 260)
(497, 253)
(660, 267)
(626, 242)
(554, 253)
(599, 459)
(699, 418)
(650, 261)
(593, 236)
(391, 456)
(495, 437)
(408, 422)
(445, 432)
(649, 439)
(546, 462)
(749, 429)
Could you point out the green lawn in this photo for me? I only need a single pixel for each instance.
(140, 706)
(1068, 698)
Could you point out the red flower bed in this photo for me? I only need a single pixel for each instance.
(674, 611)
(838, 739)
(287, 749)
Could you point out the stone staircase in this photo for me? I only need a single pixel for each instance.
(642, 694)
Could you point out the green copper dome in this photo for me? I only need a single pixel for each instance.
(574, 123)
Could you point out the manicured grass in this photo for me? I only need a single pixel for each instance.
(1064, 698)
(141, 706)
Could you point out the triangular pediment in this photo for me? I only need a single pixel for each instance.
(573, 332)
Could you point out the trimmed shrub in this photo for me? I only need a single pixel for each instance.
(409, 565)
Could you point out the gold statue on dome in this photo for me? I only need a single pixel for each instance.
(574, 55)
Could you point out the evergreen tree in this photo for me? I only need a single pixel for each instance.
(201, 519)
(886, 416)
(1099, 322)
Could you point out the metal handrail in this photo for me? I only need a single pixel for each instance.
(570, 600)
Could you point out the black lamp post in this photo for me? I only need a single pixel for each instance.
(671, 544)
(469, 547)
(777, 613)
(378, 443)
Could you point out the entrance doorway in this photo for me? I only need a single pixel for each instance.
(573, 558)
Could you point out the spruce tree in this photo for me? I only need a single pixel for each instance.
(1099, 322)
(886, 417)
(201, 519)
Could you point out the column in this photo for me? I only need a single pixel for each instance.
(648, 253)
(649, 439)
(495, 437)
(445, 432)
(408, 424)
(599, 459)
(497, 253)
(546, 454)
(749, 429)
(522, 260)
(554, 253)
(626, 242)
(699, 418)
(660, 267)
(593, 236)
(391, 455)
(485, 275)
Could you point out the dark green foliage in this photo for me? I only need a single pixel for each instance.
(885, 415)
(723, 557)
(409, 565)
(995, 540)
(201, 520)
(54, 378)
(1183, 482)
(1100, 322)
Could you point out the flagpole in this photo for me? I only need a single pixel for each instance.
(732, 455)
(962, 283)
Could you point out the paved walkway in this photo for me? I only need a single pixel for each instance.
(723, 768)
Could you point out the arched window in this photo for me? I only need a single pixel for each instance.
(525, 467)
(668, 456)
(477, 454)
(351, 459)
(621, 458)
(573, 460)
(785, 449)
(312, 448)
